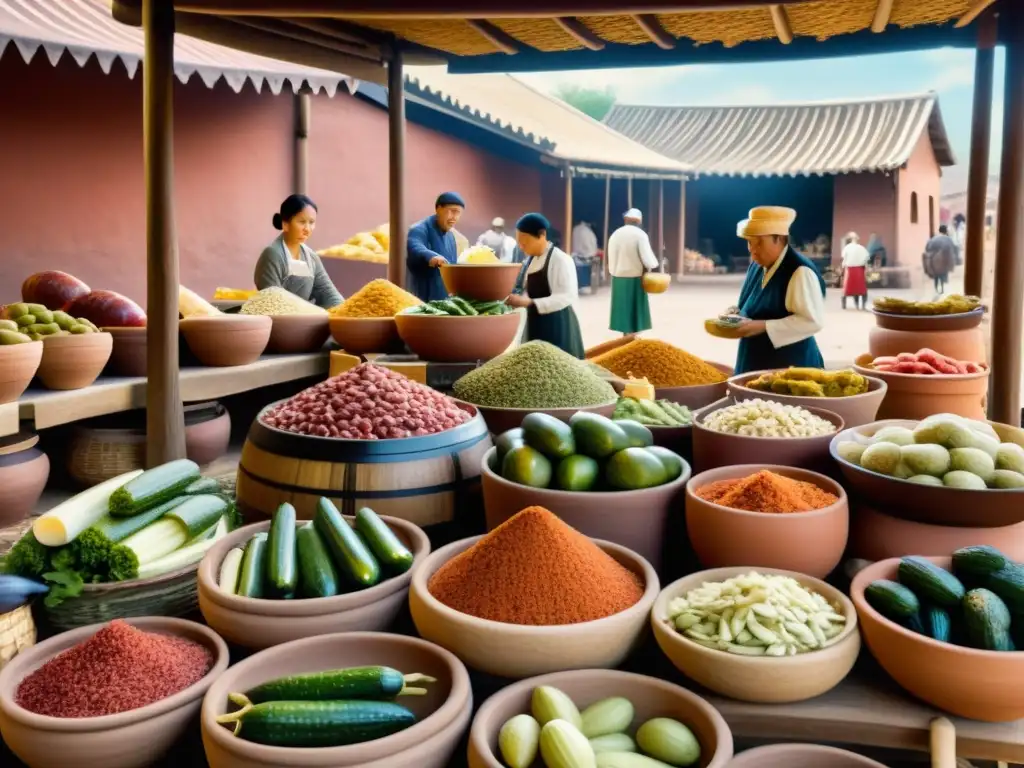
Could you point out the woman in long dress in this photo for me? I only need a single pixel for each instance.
(855, 267)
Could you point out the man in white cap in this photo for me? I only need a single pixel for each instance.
(629, 256)
(782, 299)
(498, 240)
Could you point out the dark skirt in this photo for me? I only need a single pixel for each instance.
(561, 328)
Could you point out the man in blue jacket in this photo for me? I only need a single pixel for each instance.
(430, 244)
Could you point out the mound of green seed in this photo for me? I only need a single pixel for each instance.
(535, 375)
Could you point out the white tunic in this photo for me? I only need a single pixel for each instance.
(629, 251)
(803, 300)
(855, 255)
(584, 241)
(561, 280)
(499, 242)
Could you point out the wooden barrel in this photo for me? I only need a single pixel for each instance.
(426, 480)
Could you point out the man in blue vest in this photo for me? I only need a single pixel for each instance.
(430, 244)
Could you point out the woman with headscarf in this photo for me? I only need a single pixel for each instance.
(547, 287)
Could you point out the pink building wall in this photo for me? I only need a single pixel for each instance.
(922, 177)
(864, 203)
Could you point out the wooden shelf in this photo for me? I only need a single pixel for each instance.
(8, 419)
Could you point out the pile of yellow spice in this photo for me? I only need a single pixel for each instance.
(662, 364)
(378, 298)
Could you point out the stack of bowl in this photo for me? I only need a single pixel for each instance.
(918, 396)
(959, 336)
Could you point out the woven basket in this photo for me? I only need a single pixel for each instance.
(17, 632)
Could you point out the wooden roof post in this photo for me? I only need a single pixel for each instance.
(165, 420)
(661, 221)
(607, 220)
(981, 130)
(680, 265)
(629, 192)
(396, 168)
(567, 237)
(1008, 299)
(303, 112)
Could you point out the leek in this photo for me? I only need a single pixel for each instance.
(62, 524)
(185, 556)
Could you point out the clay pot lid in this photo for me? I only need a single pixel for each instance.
(20, 441)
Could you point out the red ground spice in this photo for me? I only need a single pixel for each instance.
(117, 669)
(535, 569)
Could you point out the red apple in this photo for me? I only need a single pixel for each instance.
(52, 289)
(108, 309)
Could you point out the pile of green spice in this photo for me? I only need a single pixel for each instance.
(535, 375)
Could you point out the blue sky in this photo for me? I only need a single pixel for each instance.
(948, 71)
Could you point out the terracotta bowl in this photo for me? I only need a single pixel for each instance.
(128, 357)
(801, 756)
(18, 364)
(656, 282)
(480, 282)
(960, 345)
(980, 685)
(806, 542)
(227, 340)
(650, 696)
(24, 470)
(74, 362)
(362, 335)
(132, 739)
(931, 504)
(443, 714)
(717, 449)
(458, 339)
(636, 520)
(758, 679)
(941, 323)
(500, 420)
(295, 334)
(855, 410)
(257, 623)
(514, 651)
(917, 396)
(697, 397)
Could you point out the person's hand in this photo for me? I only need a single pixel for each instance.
(517, 300)
(438, 261)
(730, 312)
(751, 328)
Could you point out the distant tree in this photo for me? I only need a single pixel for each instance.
(596, 102)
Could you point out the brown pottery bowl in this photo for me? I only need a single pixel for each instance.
(442, 715)
(262, 623)
(517, 651)
(362, 335)
(801, 756)
(918, 396)
(500, 420)
(806, 542)
(132, 739)
(18, 364)
(758, 679)
(960, 321)
(854, 410)
(24, 470)
(651, 698)
(635, 520)
(128, 356)
(295, 334)
(74, 361)
(934, 505)
(480, 282)
(458, 339)
(719, 449)
(698, 396)
(960, 345)
(980, 685)
(227, 340)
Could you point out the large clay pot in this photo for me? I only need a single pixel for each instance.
(24, 470)
(967, 344)
(854, 410)
(917, 396)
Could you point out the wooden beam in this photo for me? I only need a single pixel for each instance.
(883, 12)
(629, 192)
(978, 167)
(977, 8)
(581, 33)
(165, 415)
(682, 229)
(396, 170)
(291, 32)
(496, 36)
(651, 27)
(340, 30)
(303, 114)
(661, 223)
(567, 237)
(780, 20)
(607, 220)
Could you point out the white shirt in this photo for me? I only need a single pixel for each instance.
(561, 280)
(804, 300)
(584, 241)
(855, 255)
(499, 242)
(629, 251)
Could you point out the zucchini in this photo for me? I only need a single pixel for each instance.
(465, 306)
(382, 541)
(152, 487)
(936, 623)
(351, 555)
(449, 307)
(62, 524)
(250, 578)
(188, 555)
(1008, 583)
(230, 568)
(317, 575)
(979, 560)
(987, 620)
(120, 528)
(197, 513)
(340, 684)
(892, 600)
(931, 583)
(201, 486)
(177, 528)
(282, 571)
(315, 723)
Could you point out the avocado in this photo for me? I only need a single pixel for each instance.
(597, 436)
(508, 440)
(672, 461)
(526, 466)
(639, 435)
(577, 473)
(634, 468)
(551, 436)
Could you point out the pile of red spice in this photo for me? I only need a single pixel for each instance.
(534, 569)
(767, 491)
(117, 669)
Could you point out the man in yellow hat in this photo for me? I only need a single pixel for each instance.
(782, 300)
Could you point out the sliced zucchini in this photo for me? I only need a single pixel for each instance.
(120, 528)
(152, 487)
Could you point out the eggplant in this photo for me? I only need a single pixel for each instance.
(15, 591)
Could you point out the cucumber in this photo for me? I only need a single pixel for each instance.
(382, 541)
(987, 620)
(153, 487)
(936, 623)
(230, 569)
(465, 306)
(340, 685)
(317, 575)
(979, 560)
(199, 513)
(118, 529)
(351, 555)
(931, 583)
(282, 571)
(201, 486)
(250, 579)
(315, 723)
(892, 600)
(1008, 584)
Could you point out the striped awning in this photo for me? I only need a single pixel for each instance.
(85, 28)
(818, 138)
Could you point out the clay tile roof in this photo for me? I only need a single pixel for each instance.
(789, 139)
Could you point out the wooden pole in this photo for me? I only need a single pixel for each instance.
(682, 229)
(629, 192)
(981, 131)
(1008, 301)
(396, 169)
(607, 222)
(661, 222)
(165, 419)
(303, 113)
(567, 237)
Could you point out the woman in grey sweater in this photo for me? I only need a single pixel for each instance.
(291, 264)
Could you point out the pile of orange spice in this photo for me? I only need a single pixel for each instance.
(767, 492)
